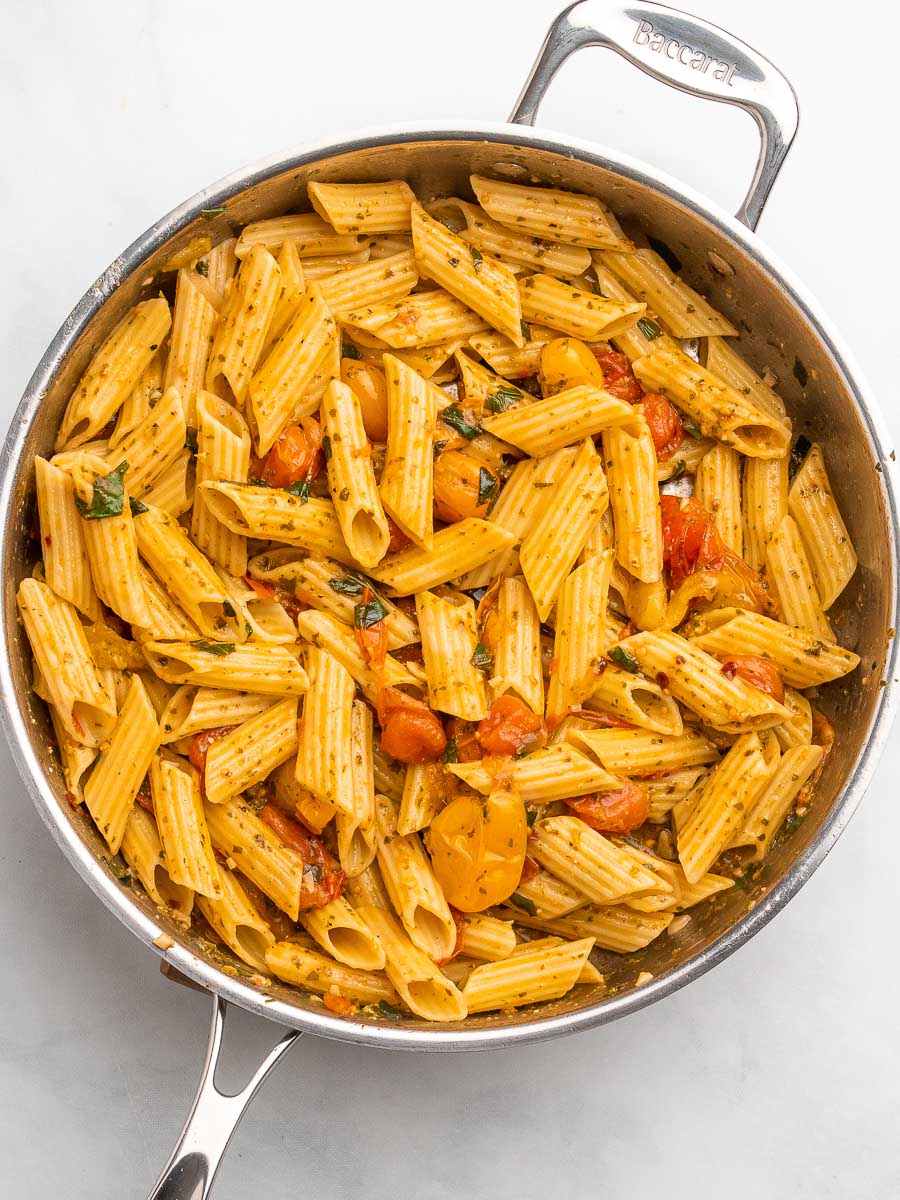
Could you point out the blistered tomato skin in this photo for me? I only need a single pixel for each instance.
(510, 727)
(295, 456)
(370, 388)
(459, 480)
(758, 672)
(613, 812)
(477, 848)
(664, 424)
(410, 732)
(566, 363)
(618, 376)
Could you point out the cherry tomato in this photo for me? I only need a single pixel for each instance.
(410, 732)
(760, 672)
(264, 591)
(337, 1004)
(459, 480)
(373, 639)
(613, 812)
(463, 735)
(665, 425)
(477, 846)
(323, 880)
(295, 456)
(692, 543)
(566, 362)
(370, 387)
(399, 540)
(618, 376)
(202, 742)
(510, 727)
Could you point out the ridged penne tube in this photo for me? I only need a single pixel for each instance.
(788, 567)
(802, 659)
(613, 927)
(546, 425)
(113, 372)
(411, 885)
(153, 445)
(423, 794)
(239, 834)
(798, 730)
(142, 850)
(173, 491)
(221, 264)
(639, 701)
(191, 710)
(765, 505)
(265, 619)
(421, 320)
(343, 934)
(431, 362)
(62, 653)
(158, 690)
(729, 793)
(717, 486)
(667, 791)
(310, 234)
(110, 792)
(293, 287)
(720, 411)
(629, 456)
(325, 751)
(142, 397)
(547, 895)
(680, 309)
(449, 639)
(641, 752)
(244, 323)
(506, 358)
(382, 281)
(316, 972)
(354, 208)
(813, 507)
(552, 547)
(351, 476)
(237, 921)
(554, 773)
(695, 680)
(725, 363)
(422, 987)
(796, 768)
(223, 453)
(333, 636)
(290, 795)
(587, 861)
(455, 550)
(266, 669)
(527, 977)
(323, 266)
(168, 621)
(187, 574)
(197, 305)
(482, 283)
(278, 386)
(518, 509)
(326, 585)
(356, 828)
(517, 653)
(250, 753)
(641, 338)
(485, 390)
(74, 757)
(178, 807)
(580, 626)
(571, 310)
(519, 250)
(111, 543)
(272, 514)
(549, 213)
(487, 938)
(66, 566)
(406, 478)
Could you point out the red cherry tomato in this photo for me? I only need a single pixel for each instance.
(323, 880)
(613, 812)
(664, 423)
(295, 456)
(618, 376)
(759, 672)
(510, 727)
(410, 732)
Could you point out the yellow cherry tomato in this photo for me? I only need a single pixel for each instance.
(566, 362)
(477, 846)
(371, 390)
(463, 487)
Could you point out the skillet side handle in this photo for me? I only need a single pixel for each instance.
(688, 54)
(214, 1116)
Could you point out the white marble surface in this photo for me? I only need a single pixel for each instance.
(777, 1075)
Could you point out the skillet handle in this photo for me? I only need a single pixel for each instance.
(688, 54)
(214, 1116)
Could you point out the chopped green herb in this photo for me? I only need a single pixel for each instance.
(212, 212)
(220, 648)
(228, 608)
(530, 816)
(369, 614)
(524, 903)
(438, 447)
(390, 1011)
(691, 428)
(624, 659)
(451, 754)
(506, 396)
(680, 468)
(750, 876)
(526, 330)
(326, 447)
(136, 506)
(109, 496)
(348, 350)
(477, 258)
(482, 659)
(190, 439)
(300, 488)
(649, 328)
(248, 629)
(799, 451)
(121, 873)
(488, 486)
(453, 416)
(350, 585)
(202, 267)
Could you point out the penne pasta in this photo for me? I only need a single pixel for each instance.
(455, 550)
(244, 323)
(272, 514)
(629, 456)
(449, 644)
(66, 565)
(270, 670)
(813, 507)
(325, 748)
(517, 655)
(142, 850)
(571, 310)
(353, 208)
(542, 776)
(223, 452)
(681, 310)
(351, 477)
(549, 213)
(234, 917)
(251, 752)
(561, 420)
(197, 307)
(178, 808)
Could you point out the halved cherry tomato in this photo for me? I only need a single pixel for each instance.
(477, 846)
(323, 880)
(459, 480)
(665, 425)
(372, 639)
(399, 540)
(295, 456)
(370, 387)
(613, 812)
(202, 742)
(337, 1004)
(760, 672)
(510, 727)
(691, 543)
(566, 362)
(618, 376)
(463, 735)
(410, 732)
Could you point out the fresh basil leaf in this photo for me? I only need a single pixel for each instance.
(799, 451)
(488, 486)
(506, 396)
(530, 816)
(453, 416)
(526, 330)
(523, 902)
(300, 488)
(228, 608)
(451, 754)
(121, 873)
(482, 659)
(351, 584)
(348, 350)
(477, 258)
(136, 506)
(202, 268)
(220, 648)
(388, 1010)
(369, 614)
(680, 468)
(691, 428)
(624, 659)
(438, 447)
(108, 499)
(207, 213)
(649, 328)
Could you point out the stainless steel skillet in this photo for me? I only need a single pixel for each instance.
(782, 329)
